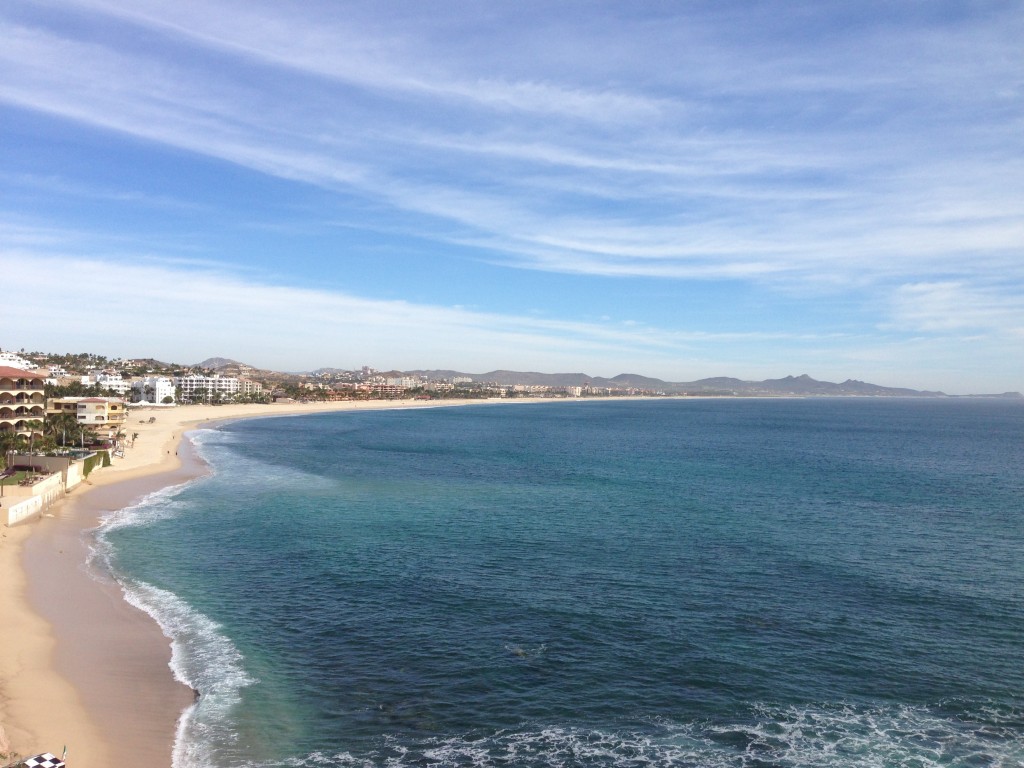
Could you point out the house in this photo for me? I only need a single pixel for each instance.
(105, 416)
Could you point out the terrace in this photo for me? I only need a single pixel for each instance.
(24, 477)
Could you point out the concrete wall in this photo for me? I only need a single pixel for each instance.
(27, 509)
(75, 475)
(21, 503)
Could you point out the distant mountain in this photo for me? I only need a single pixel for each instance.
(802, 385)
(632, 380)
(216, 362)
(794, 386)
(227, 367)
(805, 385)
(533, 379)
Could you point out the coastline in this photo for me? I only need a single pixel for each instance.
(80, 667)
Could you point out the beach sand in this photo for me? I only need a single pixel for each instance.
(79, 666)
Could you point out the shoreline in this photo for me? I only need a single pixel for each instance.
(80, 667)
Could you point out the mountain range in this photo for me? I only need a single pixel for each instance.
(719, 385)
(802, 385)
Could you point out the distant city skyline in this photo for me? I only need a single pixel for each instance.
(674, 190)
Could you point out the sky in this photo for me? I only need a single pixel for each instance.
(673, 189)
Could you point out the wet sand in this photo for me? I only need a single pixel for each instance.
(114, 655)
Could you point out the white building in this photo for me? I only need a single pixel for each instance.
(108, 381)
(154, 389)
(11, 360)
(196, 388)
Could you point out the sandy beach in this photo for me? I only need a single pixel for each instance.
(80, 667)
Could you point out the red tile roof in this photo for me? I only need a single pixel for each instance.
(17, 373)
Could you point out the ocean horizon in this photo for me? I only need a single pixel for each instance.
(721, 583)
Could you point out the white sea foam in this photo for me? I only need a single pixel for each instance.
(202, 438)
(202, 658)
(526, 652)
(837, 736)
(154, 507)
(159, 505)
(272, 477)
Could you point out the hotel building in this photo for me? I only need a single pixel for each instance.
(196, 388)
(22, 400)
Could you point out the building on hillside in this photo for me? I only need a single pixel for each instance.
(204, 389)
(250, 387)
(22, 401)
(387, 391)
(105, 416)
(406, 382)
(108, 382)
(12, 360)
(153, 389)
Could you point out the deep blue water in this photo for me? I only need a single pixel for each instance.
(657, 583)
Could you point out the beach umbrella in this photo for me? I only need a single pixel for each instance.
(45, 760)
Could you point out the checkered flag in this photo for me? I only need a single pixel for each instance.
(45, 760)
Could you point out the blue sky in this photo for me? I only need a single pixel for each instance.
(680, 190)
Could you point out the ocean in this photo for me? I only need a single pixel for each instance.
(640, 584)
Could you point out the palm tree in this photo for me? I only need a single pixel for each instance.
(36, 427)
(64, 427)
(10, 442)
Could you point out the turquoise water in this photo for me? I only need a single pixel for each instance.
(655, 583)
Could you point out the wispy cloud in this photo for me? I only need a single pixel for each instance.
(753, 204)
(941, 307)
(168, 301)
(776, 147)
(343, 49)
